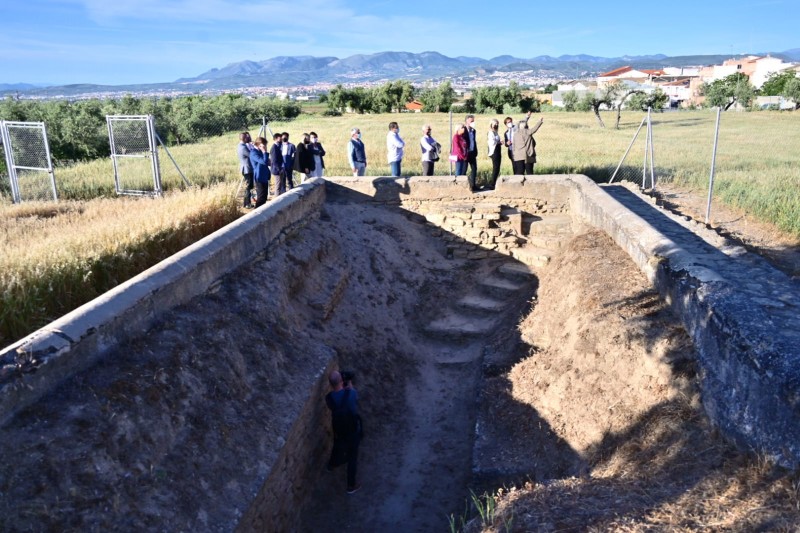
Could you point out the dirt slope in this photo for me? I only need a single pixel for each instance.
(611, 374)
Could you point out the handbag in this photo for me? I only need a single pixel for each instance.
(453, 158)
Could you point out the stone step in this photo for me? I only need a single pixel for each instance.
(499, 287)
(454, 325)
(531, 255)
(480, 305)
(548, 242)
(550, 225)
(516, 271)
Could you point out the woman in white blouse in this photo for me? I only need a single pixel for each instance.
(495, 152)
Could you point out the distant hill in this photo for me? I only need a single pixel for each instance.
(17, 86)
(288, 71)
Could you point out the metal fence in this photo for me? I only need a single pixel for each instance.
(28, 164)
(134, 154)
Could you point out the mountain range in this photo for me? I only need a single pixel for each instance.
(289, 71)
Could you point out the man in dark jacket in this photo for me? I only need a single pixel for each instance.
(243, 151)
(276, 159)
(346, 422)
(259, 158)
(288, 150)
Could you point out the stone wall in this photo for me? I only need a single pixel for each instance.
(473, 225)
(302, 457)
(34, 365)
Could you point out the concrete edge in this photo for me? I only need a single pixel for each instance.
(32, 366)
(748, 389)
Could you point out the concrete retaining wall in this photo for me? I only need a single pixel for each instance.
(749, 350)
(34, 365)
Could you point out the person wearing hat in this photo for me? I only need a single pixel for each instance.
(356, 153)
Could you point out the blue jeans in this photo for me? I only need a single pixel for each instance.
(461, 168)
(394, 166)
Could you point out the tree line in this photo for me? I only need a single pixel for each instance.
(77, 130)
(394, 95)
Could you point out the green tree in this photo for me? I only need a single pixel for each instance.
(728, 91)
(439, 99)
(776, 83)
(792, 91)
(550, 88)
(570, 99)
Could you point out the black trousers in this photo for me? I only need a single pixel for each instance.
(496, 158)
(286, 176)
(262, 193)
(248, 188)
(427, 168)
(521, 168)
(345, 450)
(472, 163)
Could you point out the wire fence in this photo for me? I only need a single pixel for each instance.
(757, 164)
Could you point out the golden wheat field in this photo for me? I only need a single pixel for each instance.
(58, 255)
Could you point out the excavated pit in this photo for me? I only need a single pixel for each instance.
(194, 426)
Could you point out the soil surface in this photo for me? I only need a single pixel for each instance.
(594, 400)
(604, 412)
(779, 248)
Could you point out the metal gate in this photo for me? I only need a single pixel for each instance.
(30, 168)
(134, 153)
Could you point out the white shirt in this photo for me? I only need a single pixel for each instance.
(394, 147)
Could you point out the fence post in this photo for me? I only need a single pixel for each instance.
(652, 164)
(713, 165)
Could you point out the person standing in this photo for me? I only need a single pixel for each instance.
(243, 151)
(259, 158)
(508, 138)
(319, 153)
(304, 160)
(472, 151)
(460, 151)
(356, 153)
(276, 159)
(342, 401)
(524, 146)
(394, 149)
(430, 150)
(495, 151)
(289, 151)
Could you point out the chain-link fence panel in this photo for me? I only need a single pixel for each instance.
(134, 154)
(28, 164)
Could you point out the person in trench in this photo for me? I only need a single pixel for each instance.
(342, 400)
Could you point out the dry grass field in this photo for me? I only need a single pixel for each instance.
(59, 255)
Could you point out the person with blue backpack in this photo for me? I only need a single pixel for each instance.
(342, 400)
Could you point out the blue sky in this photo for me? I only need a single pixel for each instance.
(120, 42)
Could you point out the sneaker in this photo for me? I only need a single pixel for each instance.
(353, 490)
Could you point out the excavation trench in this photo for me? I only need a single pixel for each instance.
(202, 423)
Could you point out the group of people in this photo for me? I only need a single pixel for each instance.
(518, 140)
(260, 166)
